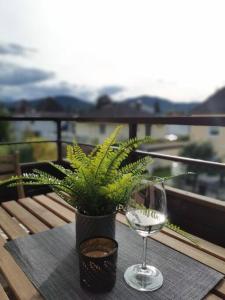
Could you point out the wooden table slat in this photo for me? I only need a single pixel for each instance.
(3, 295)
(212, 297)
(56, 208)
(220, 289)
(42, 213)
(25, 217)
(188, 250)
(17, 280)
(204, 245)
(56, 198)
(2, 241)
(10, 226)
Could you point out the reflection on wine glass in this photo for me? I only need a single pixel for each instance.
(146, 217)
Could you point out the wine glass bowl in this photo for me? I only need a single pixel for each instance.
(146, 214)
(145, 221)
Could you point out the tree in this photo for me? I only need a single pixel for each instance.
(103, 100)
(202, 151)
(49, 104)
(4, 126)
(157, 109)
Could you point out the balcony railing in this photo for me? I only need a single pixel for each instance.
(133, 123)
(200, 215)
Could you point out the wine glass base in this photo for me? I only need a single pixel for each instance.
(149, 279)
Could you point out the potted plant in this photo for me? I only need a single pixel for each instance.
(97, 185)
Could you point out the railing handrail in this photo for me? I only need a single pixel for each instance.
(132, 122)
(216, 120)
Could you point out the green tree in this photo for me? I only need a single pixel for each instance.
(157, 108)
(202, 151)
(4, 126)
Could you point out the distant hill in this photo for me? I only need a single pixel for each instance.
(66, 103)
(74, 104)
(165, 106)
(214, 104)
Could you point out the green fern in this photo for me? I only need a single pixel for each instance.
(97, 183)
(137, 167)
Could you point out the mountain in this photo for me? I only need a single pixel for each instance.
(164, 106)
(68, 103)
(214, 104)
(74, 104)
(64, 103)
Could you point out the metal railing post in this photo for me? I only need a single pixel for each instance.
(132, 134)
(59, 140)
(132, 130)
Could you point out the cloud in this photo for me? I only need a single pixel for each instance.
(110, 90)
(40, 90)
(14, 75)
(51, 89)
(15, 50)
(17, 82)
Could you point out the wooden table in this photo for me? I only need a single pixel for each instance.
(43, 212)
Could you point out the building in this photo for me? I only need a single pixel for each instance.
(214, 105)
(96, 131)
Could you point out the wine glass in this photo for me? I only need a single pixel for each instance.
(146, 214)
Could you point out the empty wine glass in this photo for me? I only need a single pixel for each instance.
(146, 214)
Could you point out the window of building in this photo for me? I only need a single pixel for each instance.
(102, 128)
(214, 130)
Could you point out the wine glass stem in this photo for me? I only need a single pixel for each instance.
(144, 252)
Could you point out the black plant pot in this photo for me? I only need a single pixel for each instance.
(94, 226)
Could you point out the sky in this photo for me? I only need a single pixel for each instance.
(125, 48)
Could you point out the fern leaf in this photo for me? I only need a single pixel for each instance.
(10, 180)
(137, 167)
(76, 156)
(63, 170)
(104, 149)
(123, 151)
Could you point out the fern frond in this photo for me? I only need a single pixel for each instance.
(116, 191)
(122, 152)
(63, 170)
(137, 167)
(12, 179)
(94, 151)
(38, 177)
(104, 149)
(76, 156)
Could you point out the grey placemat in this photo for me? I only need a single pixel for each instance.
(50, 261)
